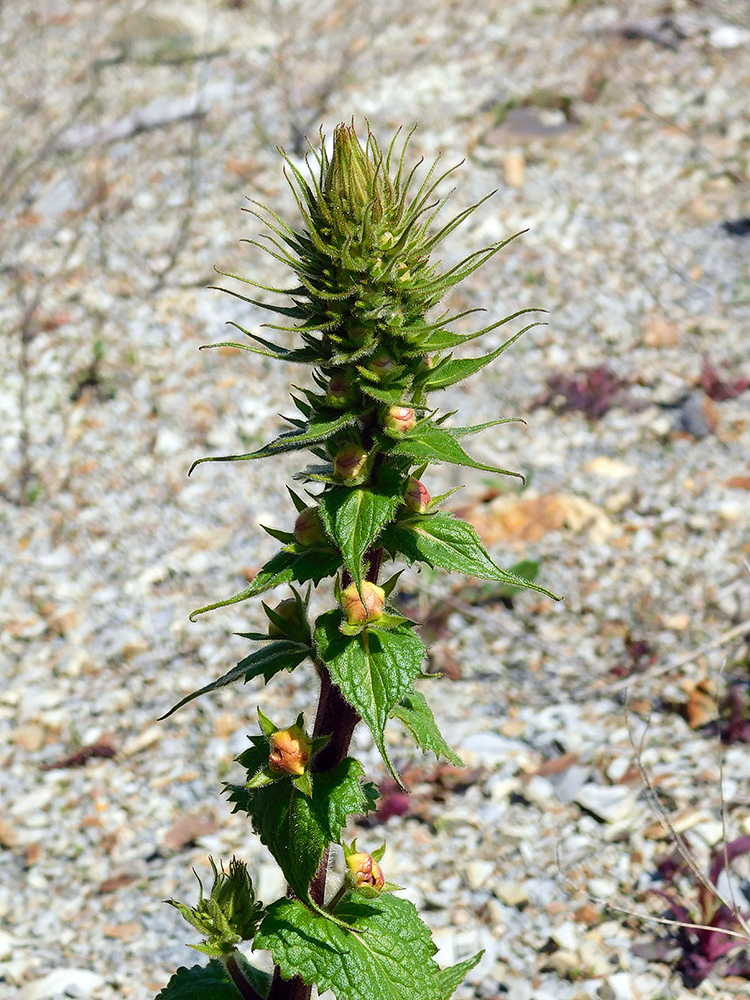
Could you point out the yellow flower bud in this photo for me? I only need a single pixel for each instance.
(350, 464)
(290, 751)
(365, 871)
(367, 608)
(397, 420)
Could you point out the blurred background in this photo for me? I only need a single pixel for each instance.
(617, 136)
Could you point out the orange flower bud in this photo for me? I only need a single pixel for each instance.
(350, 464)
(290, 751)
(367, 608)
(308, 528)
(416, 496)
(397, 420)
(364, 870)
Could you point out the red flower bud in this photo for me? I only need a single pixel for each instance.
(350, 464)
(290, 751)
(416, 496)
(308, 528)
(367, 608)
(397, 420)
(365, 871)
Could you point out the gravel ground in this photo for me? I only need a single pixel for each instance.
(621, 156)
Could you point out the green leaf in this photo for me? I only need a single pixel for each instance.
(417, 716)
(456, 370)
(454, 975)
(441, 539)
(316, 429)
(373, 670)
(268, 660)
(386, 955)
(294, 564)
(436, 444)
(354, 518)
(297, 828)
(443, 339)
(199, 983)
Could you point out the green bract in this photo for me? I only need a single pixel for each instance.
(359, 313)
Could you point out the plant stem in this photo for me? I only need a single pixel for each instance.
(237, 976)
(337, 717)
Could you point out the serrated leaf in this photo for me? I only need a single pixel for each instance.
(443, 540)
(309, 564)
(202, 982)
(373, 670)
(454, 975)
(417, 716)
(354, 519)
(316, 429)
(457, 369)
(436, 444)
(269, 660)
(386, 955)
(297, 828)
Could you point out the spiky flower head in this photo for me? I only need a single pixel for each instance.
(230, 914)
(355, 184)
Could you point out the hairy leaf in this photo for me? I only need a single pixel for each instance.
(457, 369)
(354, 518)
(437, 444)
(269, 660)
(416, 714)
(454, 975)
(297, 828)
(387, 954)
(316, 429)
(373, 670)
(294, 564)
(212, 982)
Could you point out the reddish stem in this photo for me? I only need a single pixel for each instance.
(337, 717)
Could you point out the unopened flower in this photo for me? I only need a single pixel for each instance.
(355, 183)
(290, 751)
(364, 871)
(350, 464)
(397, 420)
(416, 496)
(365, 608)
(308, 528)
(381, 363)
(339, 393)
(290, 612)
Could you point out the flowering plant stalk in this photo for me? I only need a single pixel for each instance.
(359, 312)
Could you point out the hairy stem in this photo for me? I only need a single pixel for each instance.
(335, 716)
(237, 976)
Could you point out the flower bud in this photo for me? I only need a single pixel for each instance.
(367, 608)
(290, 751)
(416, 497)
(308, 528)
(364, 871)
(355, 183)
(397, 420)
(338, 393)
(381, 363)
(350, 464)
(289, 611)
